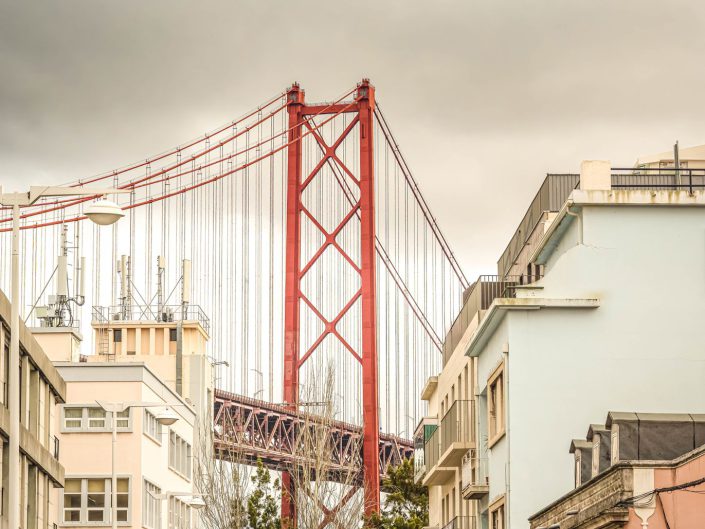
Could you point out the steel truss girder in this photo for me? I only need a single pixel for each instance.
(248, 429)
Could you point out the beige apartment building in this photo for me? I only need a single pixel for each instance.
(42, 390)
(582, 316)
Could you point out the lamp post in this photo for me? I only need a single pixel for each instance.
(165, 418)
(108, 213)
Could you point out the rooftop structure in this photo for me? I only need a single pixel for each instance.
(643, 470)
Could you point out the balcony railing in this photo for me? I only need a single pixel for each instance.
(461, 522)
(432, 449)
(475, 476)
(479, 297)
(458, 425)
(422, 434)
(165, 313)
(653, 178)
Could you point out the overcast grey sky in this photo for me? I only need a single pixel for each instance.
(484, 97)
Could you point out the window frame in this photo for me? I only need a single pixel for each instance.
(149, 418)
(498, 506)
(85, 420)
(84, 509)
(496, 386)
(148, 500)
(180, 455)
(183, 509)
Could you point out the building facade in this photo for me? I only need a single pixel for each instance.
(42, 390)
(587, 291)
(154, 462)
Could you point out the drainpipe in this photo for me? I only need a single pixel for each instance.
(508, 500)
(179, 357)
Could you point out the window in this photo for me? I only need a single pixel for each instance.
(172, 335)
(151, 506)
(123, 419)
(73, 418)
(86, 501)
(117, 335)
(179, 514)
(495, 404)
(96, 418)
(497, 514)
(151, 426)
(93, 419)
(179, 455)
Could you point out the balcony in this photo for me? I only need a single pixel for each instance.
(436, 474)
(475, 477)
(457, 432)
(422, 435)
(461, 522)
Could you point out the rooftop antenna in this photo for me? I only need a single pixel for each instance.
(125, 290)
(677, 163)
(161, 267)
(185, 286)
(57, 312)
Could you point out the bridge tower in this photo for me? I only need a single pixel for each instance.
(363, 207)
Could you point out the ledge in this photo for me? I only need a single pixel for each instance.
(500, 306)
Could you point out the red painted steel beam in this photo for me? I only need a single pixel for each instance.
(295, 103)
(309, 110)
(252, 429)
(370, 396)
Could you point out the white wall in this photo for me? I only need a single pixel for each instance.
(642, 350)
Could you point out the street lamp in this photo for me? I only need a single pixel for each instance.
(17, 200)
(165, 418)
(104, 212)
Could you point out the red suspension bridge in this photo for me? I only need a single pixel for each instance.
(311, 245)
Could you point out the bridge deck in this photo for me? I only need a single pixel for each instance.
(249, 429)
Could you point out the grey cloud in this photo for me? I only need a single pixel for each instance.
(484, 97)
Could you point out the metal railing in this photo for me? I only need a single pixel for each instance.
(165, 313)
(479, 297)
(458, 424)
(474, 471)
(432, 449)
(658, 178)
(54, 446)
(461, 522)
(551, 196)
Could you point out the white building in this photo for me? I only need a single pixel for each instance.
(612, 324)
